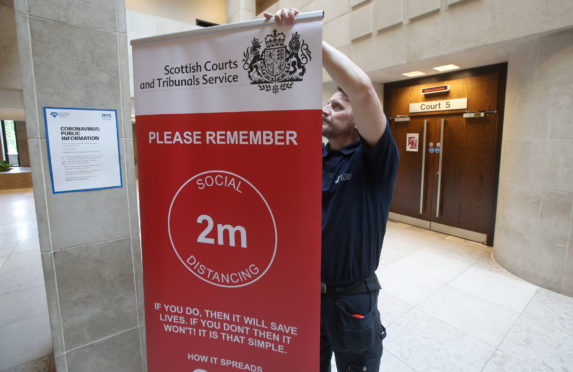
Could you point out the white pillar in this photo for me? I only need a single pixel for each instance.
(240, 10)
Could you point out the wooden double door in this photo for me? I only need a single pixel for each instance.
(449, 180)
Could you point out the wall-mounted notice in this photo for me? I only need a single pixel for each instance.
(229, 157)
(83, 147)
(412, 142)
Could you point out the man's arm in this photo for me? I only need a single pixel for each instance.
(366, 108)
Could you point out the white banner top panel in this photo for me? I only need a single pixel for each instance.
(192, 72)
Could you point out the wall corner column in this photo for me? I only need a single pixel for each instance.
(75, 56)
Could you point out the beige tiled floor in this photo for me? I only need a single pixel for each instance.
(24, 326)
(446, 304)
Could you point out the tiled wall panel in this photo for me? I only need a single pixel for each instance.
(387, 13)
(361, 22)
(417, 8)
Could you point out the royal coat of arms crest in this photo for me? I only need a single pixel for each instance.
(278, 66)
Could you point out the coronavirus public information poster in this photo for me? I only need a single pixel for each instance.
(229, 160)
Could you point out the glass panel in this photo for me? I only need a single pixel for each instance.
(11, 142)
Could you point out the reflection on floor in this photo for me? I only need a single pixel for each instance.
(25, 339)
(446, 304)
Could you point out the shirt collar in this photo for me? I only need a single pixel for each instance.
(346, 150)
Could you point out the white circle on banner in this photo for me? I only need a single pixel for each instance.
(227, 204)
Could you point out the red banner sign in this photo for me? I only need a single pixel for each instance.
(229, 144)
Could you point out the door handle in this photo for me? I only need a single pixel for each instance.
(423, 167)
(441, 144)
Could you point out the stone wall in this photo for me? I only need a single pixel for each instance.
(534, 229)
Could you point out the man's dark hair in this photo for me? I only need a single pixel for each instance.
(339, 89)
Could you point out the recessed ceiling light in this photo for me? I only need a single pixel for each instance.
(414, 73)
(446, 68)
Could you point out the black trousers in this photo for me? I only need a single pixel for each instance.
(350, 328)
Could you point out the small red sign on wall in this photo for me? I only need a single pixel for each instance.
(412, 142)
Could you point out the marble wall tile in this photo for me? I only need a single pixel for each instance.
(560, 161)
(131, 185)
(250, 6)
(124, 112)
(121, 16)
(521, 210)
(452, 2)
(85, 13)
(138, 272)
(21, 6)
(120, 352)
(555, 217)
(567, 283)
(76, 69)
(233, 6)
(336, 31)
(541, 262)
(417, 8)
(515, 162)
(143, 341)
(61, 363)
(53, 302)
(560, 112)
(354, 3)
(332, 10)
(78, 218)
(271, 9)
(27, 76)
(41, 181)
(361, 21)
(513, 17)
(88, 217)
(241, 11)
(96, 290)
(387, 13)
(10, 72)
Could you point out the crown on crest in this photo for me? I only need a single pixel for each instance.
(275, 39)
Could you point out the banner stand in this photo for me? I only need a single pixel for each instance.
(228, 126)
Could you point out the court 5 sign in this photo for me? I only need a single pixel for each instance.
(445, 105)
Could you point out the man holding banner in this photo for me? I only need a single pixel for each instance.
(359, 169)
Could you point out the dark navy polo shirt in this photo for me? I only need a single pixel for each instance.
(357, 189)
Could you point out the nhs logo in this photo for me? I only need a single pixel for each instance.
(54, 114)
